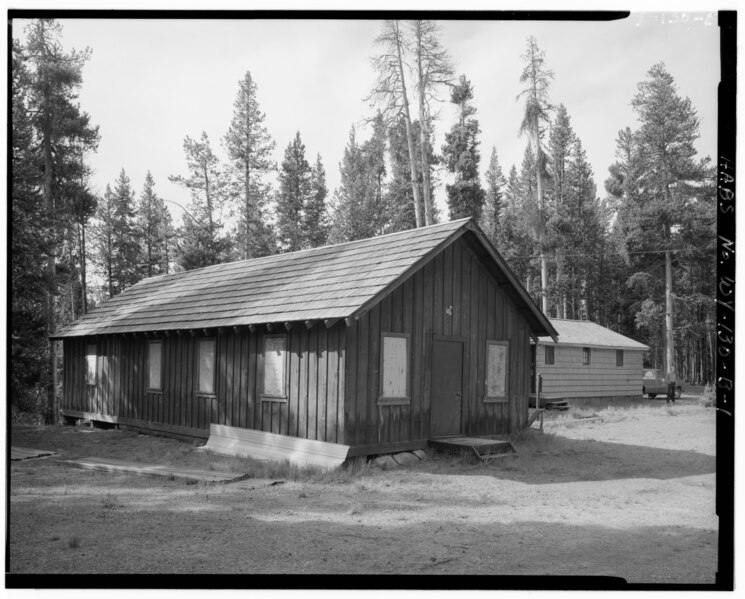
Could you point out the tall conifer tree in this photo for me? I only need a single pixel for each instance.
(249, 148)
(495, 184)
(536, 120)
(462, 156)
(203, 241)
(293, 195)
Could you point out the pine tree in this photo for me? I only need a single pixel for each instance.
(391, 95)
(116, 237)
(154, 228)
(202, 239)
(249, 148)
(62, 135)
(399, 198)
(104, 239)
(315, 214)
(28, 256)
(514, 241)
(351, 219)
(434, 68)
(125, 244)
(462, 156)
(292, 196)
(536, 78)
(665, 196)
(495, 184)
(560, 224)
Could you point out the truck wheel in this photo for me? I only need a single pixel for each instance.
(678, 392)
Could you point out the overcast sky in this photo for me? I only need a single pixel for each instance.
(149, 83)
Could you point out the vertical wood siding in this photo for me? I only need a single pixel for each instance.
(312, 378)
(452, 295)
(332, 375)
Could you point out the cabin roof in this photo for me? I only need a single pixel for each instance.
(589, 334)
(327, 283)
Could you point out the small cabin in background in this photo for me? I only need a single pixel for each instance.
(378, 345)
(588, 361)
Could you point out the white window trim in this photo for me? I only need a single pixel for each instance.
(385, 400)
(497, 398)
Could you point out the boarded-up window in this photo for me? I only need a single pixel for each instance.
(207, 366)
(155, 364)
(549, 355)
(274, 366)
(90, 364)
(585, 356)
(496, 370)
(619, 357)
(394, 366)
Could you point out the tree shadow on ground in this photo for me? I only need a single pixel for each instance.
(552, 459)
(251, 542)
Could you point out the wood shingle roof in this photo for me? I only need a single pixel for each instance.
(330, 282)
(590, 334)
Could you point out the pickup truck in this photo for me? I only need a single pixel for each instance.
(654, 383)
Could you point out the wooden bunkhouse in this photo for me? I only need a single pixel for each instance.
(378, 345)
(588, 361)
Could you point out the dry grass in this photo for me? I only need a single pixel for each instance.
(582, 500)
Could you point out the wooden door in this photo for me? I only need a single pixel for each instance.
(447, 387)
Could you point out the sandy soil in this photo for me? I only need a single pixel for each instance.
(631, 496)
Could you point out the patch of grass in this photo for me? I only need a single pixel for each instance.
(355, 510)
(708, 398)
(579, 413)
(109, 502)
(74, 542)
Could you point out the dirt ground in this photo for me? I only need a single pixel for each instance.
(631, 495)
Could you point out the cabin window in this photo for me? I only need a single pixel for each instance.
(496, 370)
(155, 365)
(394, 368)
(619, 357)
(90, 364)
(207, 366)
(549, 355)
(275, 367)
(585, 356)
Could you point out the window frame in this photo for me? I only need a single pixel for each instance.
(263, 395)
(88, 381)
(546, 352)
(200, 391)
(390, 400)
(586, 356)
(497, 398)
(619, 358)
(150, 387)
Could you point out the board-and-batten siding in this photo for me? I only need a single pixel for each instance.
(419, 308)
(315, 357)
(568, 377)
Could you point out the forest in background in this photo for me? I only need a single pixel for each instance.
(636, 256)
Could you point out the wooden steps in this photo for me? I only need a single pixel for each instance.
(259, 445)
(484, 449)
(556, 405)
